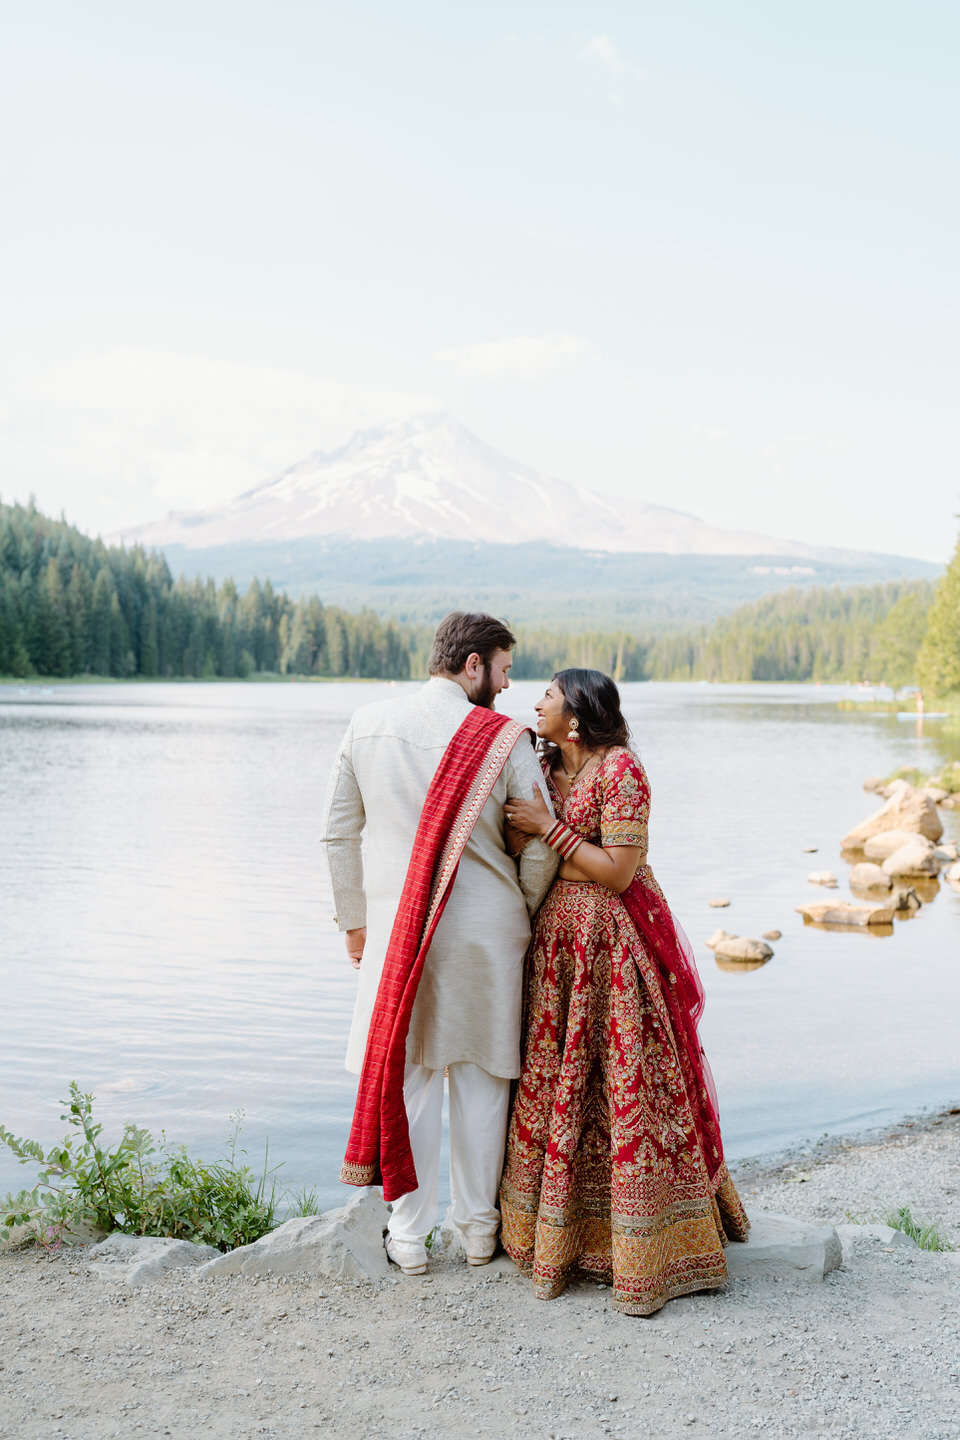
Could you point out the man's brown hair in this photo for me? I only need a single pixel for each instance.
(463, 633)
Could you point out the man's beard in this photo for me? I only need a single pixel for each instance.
(485, 693)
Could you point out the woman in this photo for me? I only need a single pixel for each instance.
(614, 1164)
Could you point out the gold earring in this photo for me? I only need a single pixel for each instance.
(574, 734)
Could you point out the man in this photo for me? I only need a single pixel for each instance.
(465, 1016)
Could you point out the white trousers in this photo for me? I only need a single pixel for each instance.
(479, 1105)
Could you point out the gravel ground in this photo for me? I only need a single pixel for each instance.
(872, 1352)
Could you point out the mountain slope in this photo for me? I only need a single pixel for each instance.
(430, 478)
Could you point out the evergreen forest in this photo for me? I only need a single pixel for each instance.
(72, 606)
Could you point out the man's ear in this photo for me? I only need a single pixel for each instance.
(473, 665)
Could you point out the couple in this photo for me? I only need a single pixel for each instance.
(614, 1166)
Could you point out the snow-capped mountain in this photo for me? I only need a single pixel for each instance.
(430, 478)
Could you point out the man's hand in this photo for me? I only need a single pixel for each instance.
(355, 941)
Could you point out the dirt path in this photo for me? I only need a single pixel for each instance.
(872, 1352)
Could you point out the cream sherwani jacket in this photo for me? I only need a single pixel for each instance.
(469, 1001)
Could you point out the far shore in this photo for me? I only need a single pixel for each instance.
(271, 677)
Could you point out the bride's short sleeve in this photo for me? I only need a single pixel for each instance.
(625, 811)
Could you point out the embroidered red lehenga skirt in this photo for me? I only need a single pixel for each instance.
(614, 1168)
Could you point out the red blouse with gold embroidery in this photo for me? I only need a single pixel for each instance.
(611, 805)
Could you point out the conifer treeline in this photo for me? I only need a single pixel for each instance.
(868, 632)
(73, 606)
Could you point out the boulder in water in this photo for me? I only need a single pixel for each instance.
(907, 809)
(883, 845)
(842, 914)
(868, 876)
(741, 947)
(917, 857)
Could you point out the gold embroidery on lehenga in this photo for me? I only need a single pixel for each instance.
(605, 1173)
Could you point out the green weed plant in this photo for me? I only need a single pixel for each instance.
(926, 1235)
(138, 1187)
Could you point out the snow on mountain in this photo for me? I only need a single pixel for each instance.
(431, 478)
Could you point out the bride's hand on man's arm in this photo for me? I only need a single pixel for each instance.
(528, 817)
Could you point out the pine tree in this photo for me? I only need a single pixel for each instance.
(938, 664)
(100, 624)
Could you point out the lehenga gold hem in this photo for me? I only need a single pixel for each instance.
(679, 1254)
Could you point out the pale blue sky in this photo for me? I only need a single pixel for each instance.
(701, 254)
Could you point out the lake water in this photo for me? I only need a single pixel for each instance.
(166, 935)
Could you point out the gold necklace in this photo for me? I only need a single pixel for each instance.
(570, 778)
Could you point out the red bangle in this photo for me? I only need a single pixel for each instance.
(563, 840)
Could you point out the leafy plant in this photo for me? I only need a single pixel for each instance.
(948, 778)
(137, 1187)
(910, 773)
(927, 1236)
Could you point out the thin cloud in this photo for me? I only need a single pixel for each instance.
(524, 358)
(601, 50)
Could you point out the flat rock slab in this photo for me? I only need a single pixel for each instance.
(782, 1245)
(823, 877)
(346, 1244)
(842, 914)
(138, 1259)
(879, 1234)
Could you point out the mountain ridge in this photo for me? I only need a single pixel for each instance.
(431, 479)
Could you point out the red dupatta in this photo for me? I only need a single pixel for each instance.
(682, 990)
(378, 1151)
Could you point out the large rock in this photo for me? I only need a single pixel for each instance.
(741, 947)
(137, 1259)
(869, 877)
(936, 793)
(883, 845)
(907, 809)
(346, 1244)
(915, 858)
(842, 914)
(953, 874)
(781, 1245)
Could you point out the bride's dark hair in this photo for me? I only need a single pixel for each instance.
(593, 698)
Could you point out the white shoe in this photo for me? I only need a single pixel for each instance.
(481, 1250)
(412, 1259)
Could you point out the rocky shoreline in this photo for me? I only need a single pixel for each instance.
(872, 1350)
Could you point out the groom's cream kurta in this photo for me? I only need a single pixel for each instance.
(469, 1001)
